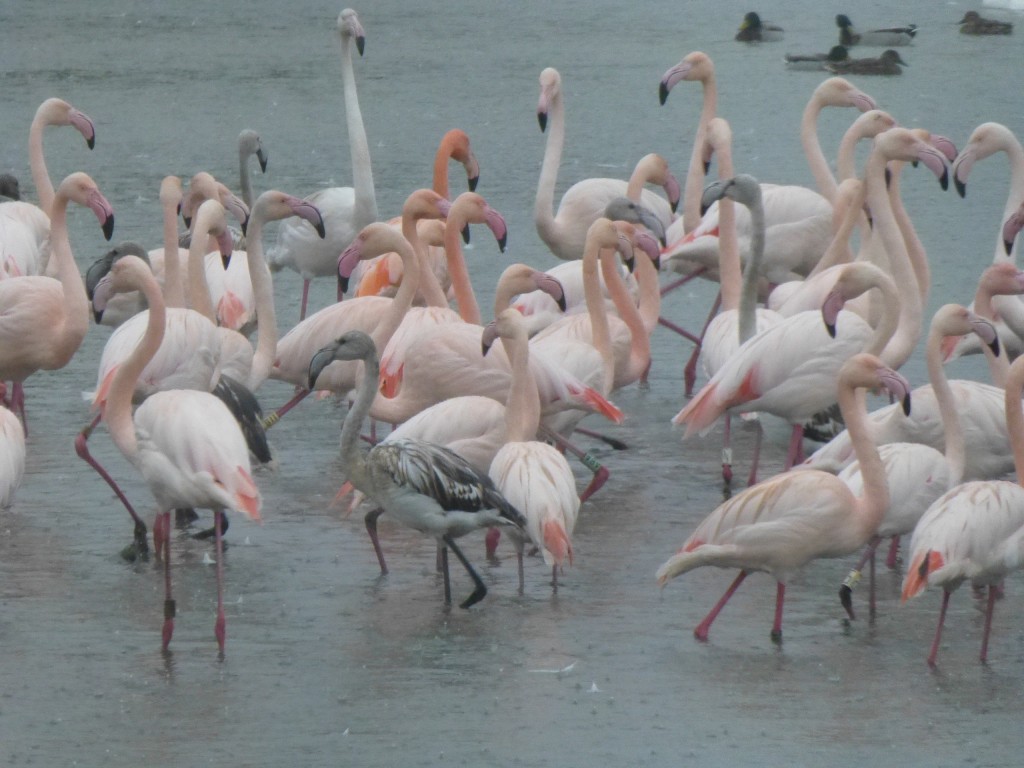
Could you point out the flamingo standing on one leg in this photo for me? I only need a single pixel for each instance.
(186, 444)
(784, 522)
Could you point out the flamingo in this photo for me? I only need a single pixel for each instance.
(185, 443)
(784, 522)
(44, 319)
(534, 476)
(25, 228)
(377, 315)
(979, 405)
(249, 145)
(424, 486)
(565, 231)
(974, 531)
(986, 140)
(918, 474)
(467, 208)
(381, 276)
(773, 372)
(346, 210)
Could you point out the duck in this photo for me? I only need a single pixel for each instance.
(888, 63)
(812, 62)
(974, 23)
(889, 36)
(753, 30)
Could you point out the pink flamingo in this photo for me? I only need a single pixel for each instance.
(346, 210)
(918, 474)
(185, 443)
(249, 145)
(28, 344)
(534, 476)
(25, 228)
(974, 531)
(782, 523)
(424, 486)
(564, 232)
(381, 276)
(979, 406)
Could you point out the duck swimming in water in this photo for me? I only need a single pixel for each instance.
(888, 63)
(889, 36)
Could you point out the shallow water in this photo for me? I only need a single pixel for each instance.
(327, 663)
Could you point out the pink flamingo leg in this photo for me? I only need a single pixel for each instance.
(82, 449)
(780, 596)
(795, 453)
(758, 437)
(300, 395)
(727, 454)
(18, 404)
(305, 300)
(690, 371)
(938, 630)
(872, 606)
(683, 281)
(371, 529)
(894, 551)
(678, 329)
(853, 578)
(601, 473)
(491, 539)
(993, 592)
(220, 626)
(163, 523)
(701, 632)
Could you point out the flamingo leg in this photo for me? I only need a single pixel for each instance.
(678, 329)
(618, 445)
(18, 403)
(872, 605)
(163, 523)
(934, 652)
(491, 539)
(701, 632)
(680, 282)
(601, 473)
(894, 551)
(371, 528)
(993, 592)
(795, 453)
(758, 438)
(480, 590)
(305, 300)
(447, 577)
(690, 371)
(300, 395)
(220, 625)
(727, 454)
(138, 545)
(853, 577)
(780, 597)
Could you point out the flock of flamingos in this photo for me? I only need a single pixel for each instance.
(821, 299)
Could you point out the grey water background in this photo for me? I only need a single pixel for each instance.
(327, 663)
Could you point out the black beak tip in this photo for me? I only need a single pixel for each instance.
(831, 328)
(906, 404)
(187, 220)
(961, 187)
(502, 243)
(321, 229)
(542, 119)
(97, 315)
(225, 259)
(245, 225)
(108, 227)
(707, 167)
(662, 93)
(561, 303)
(1008, 246)
(263, 162)
(944, 180)
(484, 348)
(91, 142)
(342, 285)
(360, 44)
(994, 346)
(473, 181)
(465, 234)
(703, 209)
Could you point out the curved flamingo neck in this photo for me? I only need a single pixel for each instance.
(730, 267)
(601, 337)
(639, 338)
(848, 211)
(411, 280)
(914, 247)
(440, 174)
(75, 320)
(812, 148)
(909, 322)
(429, 287)
(752, 273)
(199, 290)
(365, 207)
(522, 409)
(469, 309)
(649, 294)
(694, 183)
(244, 177)
(543, 208)
(954, 434)
(510, 285)
(263, 295)
(117, 411)
(352, 458)
(37, 162)
(174, 291)
(874, 499)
